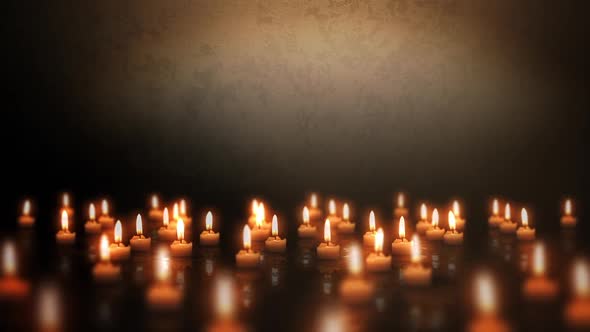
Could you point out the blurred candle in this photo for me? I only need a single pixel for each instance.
(105, 219)
(495, 219)
(49, 309)
(260, 232)
(64, 236)
(162, 294)
(485, 303)
(369, 237)
(459, 221)
(12, 287)
(155, 211)
(182, 210)
(577, 312)
(208, 237)
(118, 250)
(274, 243)
(524, 232)
(92, 226)
(104, 271)
(224, 306)
(423, 225)
(346, 226)
(253, 213)
(452, 237)
(305, 230)
(400, 207)
(377, 261)
(568, 220)
(332, 214)
(416, 274)
(354, 288)
(539, 287)
(66, 204)
(314, 212)
(166, 232)
(326, 249)
(435, 233)
(139, 242)
(401, 246)
(508, 226)
(180, 247)
(175, 214)
(246, 258)
(26, 219)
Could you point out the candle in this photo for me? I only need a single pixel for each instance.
(118, 250)
(155, 211)
(423, 225)
(369, 237)
(577, 311)
(92, 226)
(65, 202)
(183, 212)
(105, 220)
(539, 287)
(181, 248)
(208, 237)
(260, 232)
(274, 243)
(334, 219)
(486, 320)
(104, 271)
(11, 286)
(460, 222)
(162, 295)
(507, 227)
(377, 261)
(253, 214)
(346, 227)
(400, 209)
(246, 258)
(401, 246)
(452, 237)
(568, 220)
(305, 230)
(355, 289)
(166, 232)
(524, 232)
(224, 304)
(175, 215)
(415, 274)
(64, 236)
(26, 219)
(314, 212)
(435, 233)
(139, 242)
(495, 219)
(326, 249)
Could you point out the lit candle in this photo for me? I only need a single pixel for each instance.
(224, 304)
(369, 237)
(508, 226)
(423, 225)
(525, 232)
(181, 248)
(416, 274)
(305, 230)
(327, 249)
(162, 295)
(175, 214)
(377, 261)
(166, 232)
(246, 258)
(485, 302)
(92, 226)
(155, 211)
(346, 226)
(253, 213)
(11, 286)
(577, 312)
(354, 288)
(274, 243)
(65, 204)
(64, 236)
(400, 207)
(26, 219)
(539, 287)
(183, 212)
(105, 219)
(118, 250)
(435, 233)
(332, 214)
(460, 222)
(314, 212)
(139, 242)
(208, 236)
(260, 232)
(568, 220)
(452, 236)
(495, 219)
(104, 270)
(401, 246)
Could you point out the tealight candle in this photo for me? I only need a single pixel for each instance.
(92, 226)
(355, 289)
(65, 202)
(435, 233)
(423, 225)
(495, 219)
(166, 232)
(139, 242)
(253, 213)
(346, 226)
(377, 261)
(183, 212)
(369, 237)
(452, 237)
(175, 215)
(334, 218)
(162, 295)
(539, 287)
(155, 211)
(64, 236)
(305, 230)
(208, 237)
(246, 258)
(11, 286)
(400, 208)
(105, 219)
(401, 246)
(104, 271)
(326, 249)
(524, 232)
(181, 248)
(415, 274)
(460, 222)
(508, 226)
(314, 212)
(118, 250)
(487, 319)
(26, 219)
(274, 243)
(568, 220)
(260, 232)
(577, 311)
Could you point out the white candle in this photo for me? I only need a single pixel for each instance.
(163, 295)
(180, 247)
(11, 286)
(64, 236)
(155, 211)
(400, 208)
(139, 242)
(105, 219)
(507, 227)
(452, 237)
(92, 226)
(334, 218)
(118, 250)
(369, 237)
(539, 287)
(260, 232)
(246, 258)
(208, 236)
(568, 220)
(166, 232)
(274, 243)
(486, 319)
(346, 226)
(355, 289)
(26, 219)
(401, 246)
(460, 222)
(415, 274)
(328, 250)
(435, 233)
(577, 311)
(423, 225)
(495, 219)
(305, 230)
(104, 271)
(524, 232)
(377, 261)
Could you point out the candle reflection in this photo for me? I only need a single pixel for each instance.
(49, 309)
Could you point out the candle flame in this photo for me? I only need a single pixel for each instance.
(27, 207)
(155, 202)
(275, 226)
(209, 221)
(332, 207)
(254, 207)
(372, 221)
(91, 212)
(568, 207)
(495, 207)
(118, 232)
(379, 241)
(64, 221)
(165, 218)
(305, 215)
(138, 225)
(484, 292)
(65, 200)
(423, 212)
(539, 260)
(224, 299)
(435, 218)
(456, 209)
(524, 218)
(581, 279)
(105, 254)
(402, 228)
(247, 238)
(327, 232)
(314, 201)
(345, 212)
(105, 207)
(162, 265)
(400, 200)
(9, 259)
(355, 260)
(260, 215)
(416, 249)
(182, 207)
(175, 213)
(180, 230)
(507, 211)
(452, 221)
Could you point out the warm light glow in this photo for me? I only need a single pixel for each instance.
(105, 254)
(372, 221)
(305, 215)
(379, 241)
(400, 200)
(91, 212)
(118, 232)
(314, 201)
(26, 207)
(175, 213)
(260, 215)
(9, 259)
(416, 249)
(327, 232)
(484, 293)
(180, 230)
(224, 296)
(423, 212)
(456, 209)
(64, 221)
(402, 228)
(507, 211)
(165, 218)
(155, 202)
(435, 218)
(247, 238)
(65, 200)
(332, 207)
(568, 207)
(333, 322)
(524, 218)
(539, 260)
(209, 221)
(182, 207)
(355, 260)
(581, 279)
(254, 207)
(275, 226)
(138, 225)
(49, 309)
(495, 207)
(162, 265)
(104, 207)
(452, 221)
(345, 212)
